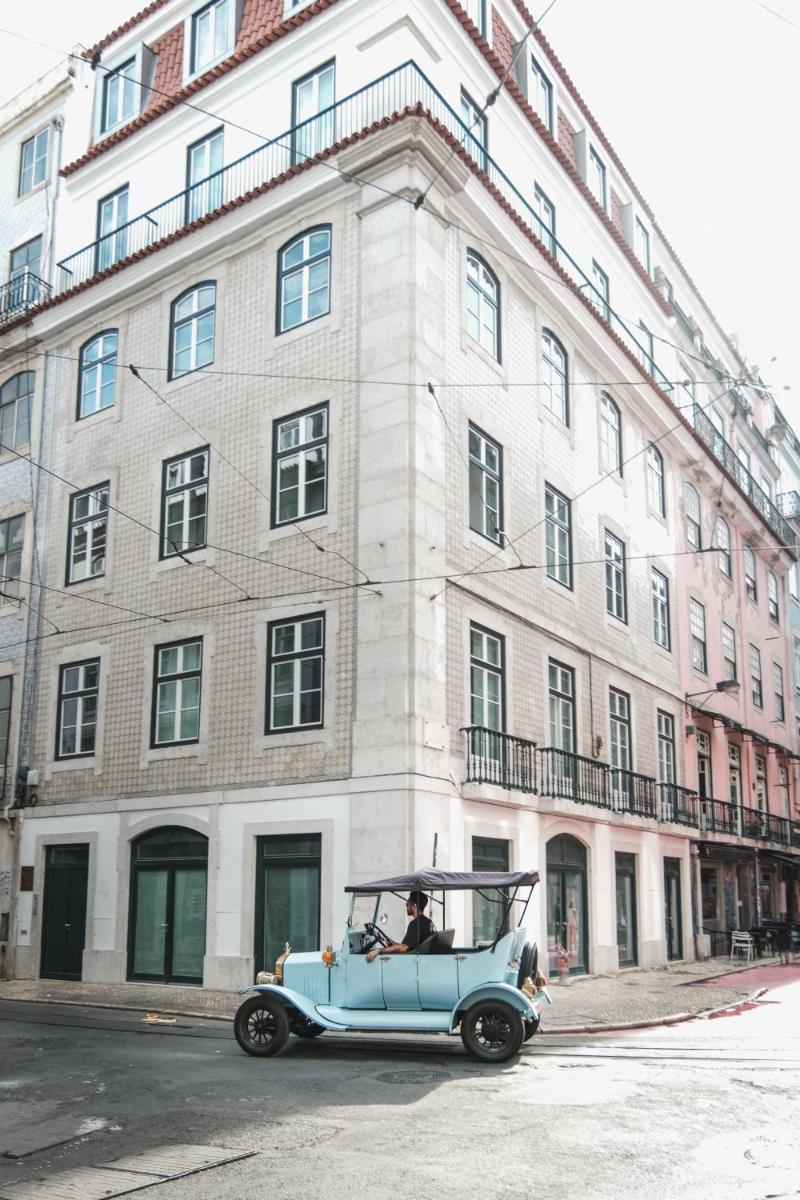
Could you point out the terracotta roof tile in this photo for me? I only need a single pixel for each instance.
(566, 138)
(616, 210)
(131, 23)
(262, 24)
(502, 38)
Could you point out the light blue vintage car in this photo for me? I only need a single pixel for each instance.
(491, 991)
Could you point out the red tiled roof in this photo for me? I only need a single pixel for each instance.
(262, 24)
(502, 38)
(154, 6)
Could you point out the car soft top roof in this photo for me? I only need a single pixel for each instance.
(431, 880)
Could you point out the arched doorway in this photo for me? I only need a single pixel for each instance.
(169, 869)
(567, 905)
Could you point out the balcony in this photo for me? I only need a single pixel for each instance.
(723, 452)
(519, 765)
(21, 293)
(404, 92)
(789, 504)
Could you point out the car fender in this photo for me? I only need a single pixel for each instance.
(495, 991)
(290, 999)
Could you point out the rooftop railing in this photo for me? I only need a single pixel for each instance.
(519, 765)
(404, 90)
(21, 293)
(724, 454)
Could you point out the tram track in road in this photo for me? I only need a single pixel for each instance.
(582, 1050)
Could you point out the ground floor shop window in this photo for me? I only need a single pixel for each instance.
(169, 869)
(710, 893)
(567, 906)
(488, 854)
(287, 896)
(626, 909)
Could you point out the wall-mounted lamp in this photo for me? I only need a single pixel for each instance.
(731, 687)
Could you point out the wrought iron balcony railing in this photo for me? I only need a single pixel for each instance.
(724, 454)
(519, 765)
(406, 90)
(21, 293)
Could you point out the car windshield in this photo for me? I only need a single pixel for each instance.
(365, 908)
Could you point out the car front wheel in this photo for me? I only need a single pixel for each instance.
(492, 1031)
(261, 1026)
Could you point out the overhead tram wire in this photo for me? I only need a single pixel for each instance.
(406, 383)
(578, 495)
(455, 577)
(295, 524)
(348, 176)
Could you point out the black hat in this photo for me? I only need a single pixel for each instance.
(418, 898)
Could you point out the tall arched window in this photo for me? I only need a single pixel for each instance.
(483, 305)
(655, 481)
(567, 903)
(97, 373)
(555, 390)
(304, 278)
(191, 337)
(15, 411)
(610, 435)
(722, 539)
(694, 529)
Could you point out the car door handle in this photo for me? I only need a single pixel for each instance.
(461, 957)
(385, 957)
(67, 925)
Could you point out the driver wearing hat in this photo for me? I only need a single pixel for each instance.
(420, 927)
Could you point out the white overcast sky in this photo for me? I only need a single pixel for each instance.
(698, 97)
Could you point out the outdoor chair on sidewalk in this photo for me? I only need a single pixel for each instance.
(741, 945)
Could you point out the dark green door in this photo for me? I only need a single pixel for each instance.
(672, 908)
(169, 870)
(287, 896)
(64, 911)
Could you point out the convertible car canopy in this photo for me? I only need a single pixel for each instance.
(431, 880)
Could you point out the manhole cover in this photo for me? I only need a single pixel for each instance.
(414, 1077)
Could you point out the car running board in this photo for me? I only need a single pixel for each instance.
(407, 1021)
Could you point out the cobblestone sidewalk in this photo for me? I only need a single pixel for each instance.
(634, 995)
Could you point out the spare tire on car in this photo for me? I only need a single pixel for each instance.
(528, 963)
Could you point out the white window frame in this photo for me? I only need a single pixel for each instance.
(641, 238)
(722, 538)
(485, 484)
(610, 434)
(756, 677)
(730, 661)
(558, 536)
(475, 138)
(698, 636)
(750, 570)
(546, 212)
(93, 525)
(555, 376)
(198, 347)
(694, 516)
(299, 656)
(79, 695)
(483, 305)
(36, 162)
(656, 481)
(141, 77)
(659, 590)
(303, 267)
(778, 693)
(601, 293)
(615, 577)
(186, 487)
(179, 677)
(232, 14)
(561, 705)
(542, 95)
(597, 178)
(101, 370)
(305, 449)
(773, 598)
(204, 193)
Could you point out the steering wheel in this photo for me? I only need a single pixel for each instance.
(377, 935)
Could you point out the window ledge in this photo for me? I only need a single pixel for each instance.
(209, 66)
(102, 414)
(39, 187)
(298, 737)
(194, 557)
(285, 337)
(157, 754)
(90, 762)
(8, 456)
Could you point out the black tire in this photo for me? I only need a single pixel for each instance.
(528, 963)
(492, 1031)
(261, 1026)
(303, 1028)
(531, 1027)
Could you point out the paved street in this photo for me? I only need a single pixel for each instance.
(705, 1109)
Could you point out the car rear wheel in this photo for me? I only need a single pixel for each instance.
(261, 1026)
(303, 1028)
(492, 1031)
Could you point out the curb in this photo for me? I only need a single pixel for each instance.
(654, 1022)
